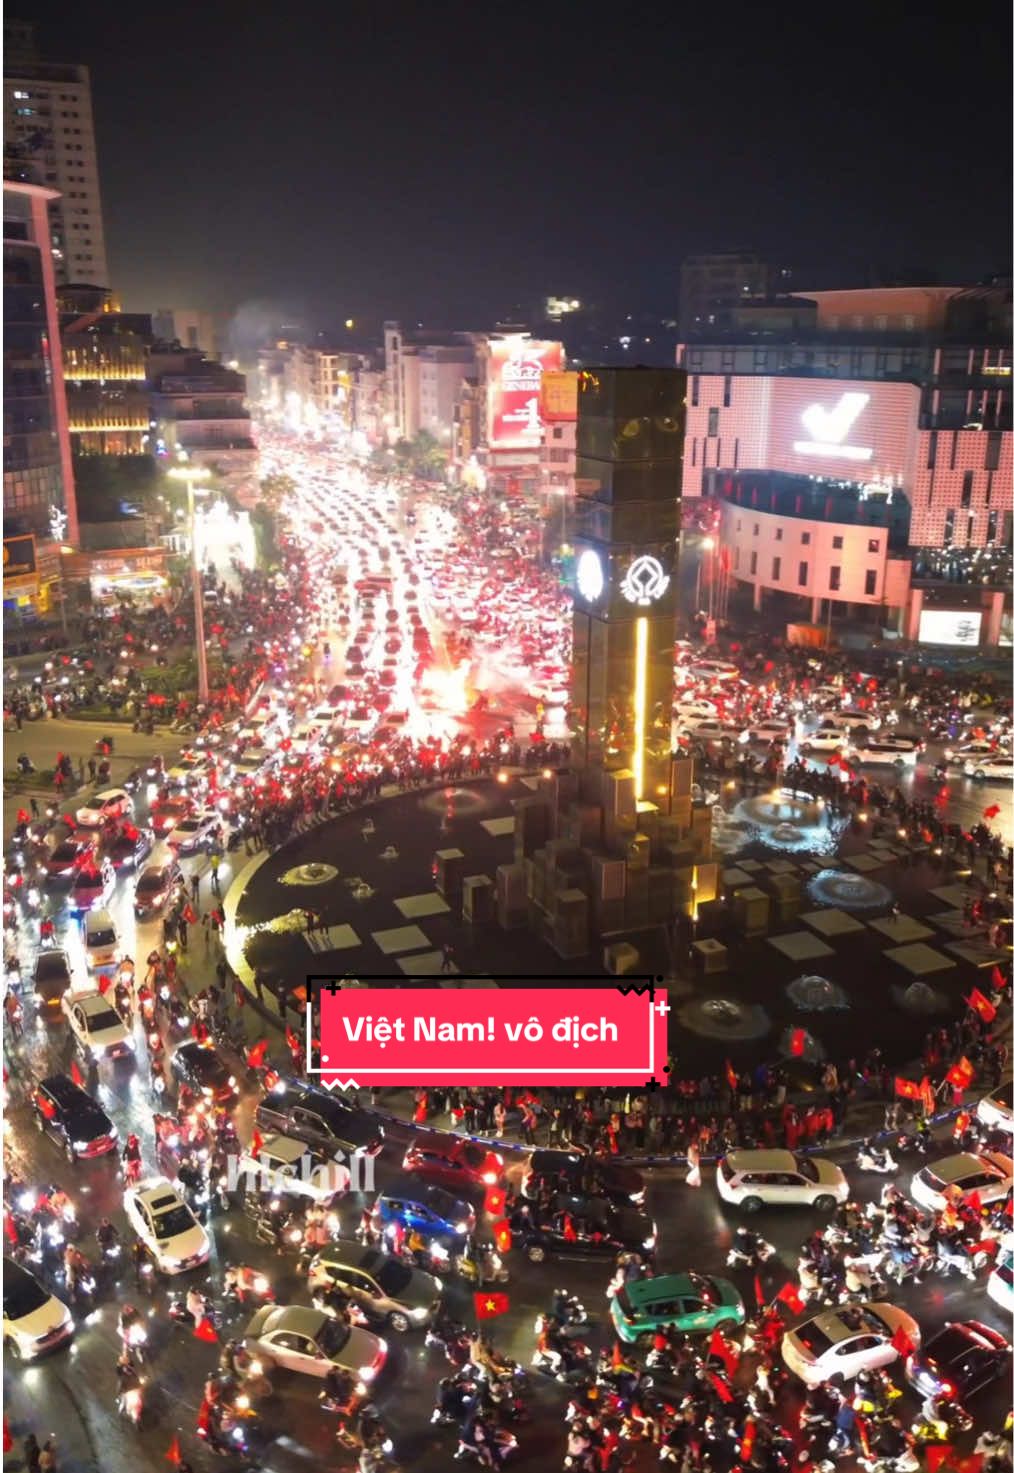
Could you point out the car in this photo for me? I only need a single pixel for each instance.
(836, 1345)
(825, 739)
(754, 1179)
(697, 709)
(959, 1360)
(968, 751)
(169, 812)
(1000, 1284)
(710, 730)
(999, 769)
(309, 1113)
(101, 943)
(51, 979)
(34, 1320)
(578, 1225)
(450, 1161)
(153, 888)
(884, 751)
(296, 1338)
(164, 1223)
(112, 803)
(386, 1289)
(92, 885)
(855, 720)
(987, 1173)
(251, 761)
(68, 856)
(97, 1026)
(996, 1111)
(197, 831)
(694, 1303)
(190, 770)
(305, 737)
(768, 732)
(709, 670)
(431, 1210)
(131, 847)
(581, 1175)
(296, 1170)
(201, 1067)
(75, 1120)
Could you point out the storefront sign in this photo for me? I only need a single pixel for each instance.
(950, 626)
(516, 366)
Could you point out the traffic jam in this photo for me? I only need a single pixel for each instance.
(247, 1270)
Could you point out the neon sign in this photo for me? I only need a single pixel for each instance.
(645, 582)
(590, 578)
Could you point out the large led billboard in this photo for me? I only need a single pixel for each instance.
(516, 366)
(950, 626)
(846, 430)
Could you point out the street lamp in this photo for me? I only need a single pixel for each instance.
(192, 474)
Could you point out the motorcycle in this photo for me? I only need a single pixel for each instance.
(872, 1158)
(748, 1250)
(130, 1403)
(506, 1443)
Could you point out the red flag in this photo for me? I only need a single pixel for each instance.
(494, 1200)
(937, 1456)
(292, 1039)
(746, 1445)
(720, 1349)
(502, 1236)
(906, 1089)
(991, 812)
(730, 1075)
(903, 1342)
(105, 982)
(255, 1055)
(970, 1463)
(721, 1386)
(960, 1074)
(76, 1075)
(8, 1439)
(997, 979)
(758, 1292)
(788, 1295)
(927, 1094)
(206, 1331)
(864, 1437)
(981, 1005)
(974, 1204)
(488, 1306)
(173, 1453)
(256, 1143)
(797, 1042)
(618, 1359)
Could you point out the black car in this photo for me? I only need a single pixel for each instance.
(581, 1176)
(75, 1121)
(311, 1114)
(51, 980)
(202, 1068)
(959, 1360)
(581, 1226)
(129, 850)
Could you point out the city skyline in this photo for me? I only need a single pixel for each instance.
(332, 171)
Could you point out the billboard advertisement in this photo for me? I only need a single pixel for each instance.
(20, 566)
(950, 626)
(515, 369)
(559, 397)
(853, 431)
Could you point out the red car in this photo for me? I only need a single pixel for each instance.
(450, 1161)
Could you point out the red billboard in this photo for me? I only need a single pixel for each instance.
(516, 366)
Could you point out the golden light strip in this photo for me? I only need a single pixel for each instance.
(640, 702)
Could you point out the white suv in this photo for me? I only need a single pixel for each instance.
(755, 1179)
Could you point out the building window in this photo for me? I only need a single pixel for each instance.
(778, 533)
(949, 528)
(994, 440)
(753, 563)
(871, 582)
(966, 489)
(695, 391)
(712, 423)
(834, 578)
(776, 569)
(557, 432)
(837, 543)
(693, 451)
(726, 391)
(735, 454)
(805, 539)
(804, 573)
(873, 545)
(737, 559)
(991, 523)
(756, 529)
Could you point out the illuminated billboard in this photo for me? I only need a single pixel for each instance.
(558, 403)
(950, 626)
(515, 369)
(849, 430)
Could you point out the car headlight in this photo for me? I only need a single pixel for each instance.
(461, 1227)
(419, 1314)
(649, 1242)
(232, 1080)
(80, 1145)
(367, 1374)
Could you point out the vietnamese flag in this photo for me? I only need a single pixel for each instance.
(721, 1386)
(960, 1074)
(902, 1342)
(174, 1454)
(906, 1089)
(758, 1292)
(788, 1295)
(206, 1331)
(488, 1306)
(997, 979)
(494, 1200)
(937, 1457)
(981, 1005)
(76, 1075)
(731, 1077)
(502, 1236)
(720, 1349)
(255, 1055)
(974, 1204)
(105, 982)
(256, 1144)
(797, 1042)
(746, 1445)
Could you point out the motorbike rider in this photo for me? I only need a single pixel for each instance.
(132, 1158)
(107, 1236)
(550, 1345)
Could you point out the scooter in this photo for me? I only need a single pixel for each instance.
(870, 1157)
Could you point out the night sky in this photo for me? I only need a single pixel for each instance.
(447, 161)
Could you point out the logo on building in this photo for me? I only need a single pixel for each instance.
(829, 427)
(645, 581)
(590, 578)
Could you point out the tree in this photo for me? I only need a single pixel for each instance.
(429, 458)
(274, 488)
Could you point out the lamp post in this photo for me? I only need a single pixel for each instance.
(192, 474)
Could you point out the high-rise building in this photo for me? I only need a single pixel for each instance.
(49, 140)
(711, 285)
(424, 372)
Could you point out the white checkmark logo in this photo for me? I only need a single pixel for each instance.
(832, 426)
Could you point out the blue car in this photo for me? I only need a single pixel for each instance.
(422, 1205)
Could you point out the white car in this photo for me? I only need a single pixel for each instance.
(166, 1226)
(991, 769)
(305, 737)
(113, 803)
(884, 751)
(968, 751)
(190, 770)
(754, 1179)
(987, 1173)
(707, 670)
(289, 1166)
(34, 1320)
(768, 732)
(853, 719)
(1000, 1284)
(996, 1111)
(97, 1026)
(312, 1342)
(709, 730)
(827, 739)
(101, 943)
(837, 1345)
(191, 833)
(697, 709)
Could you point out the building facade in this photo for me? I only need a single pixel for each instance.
(105, 369)
(423, 373)
(49, 140)
(199, 406)
(710, 285)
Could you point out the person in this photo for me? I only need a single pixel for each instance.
(31, 1452)
(693, 1164)
(132, 1159)
(47, 1456)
